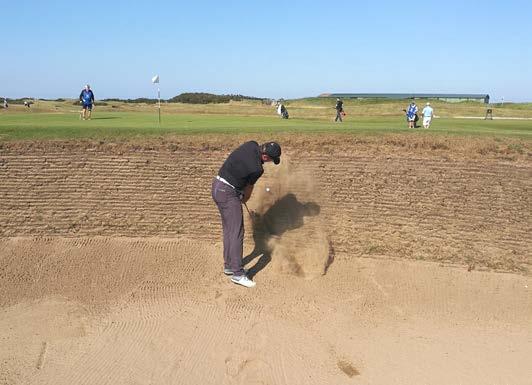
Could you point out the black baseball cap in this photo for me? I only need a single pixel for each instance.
(273, 150)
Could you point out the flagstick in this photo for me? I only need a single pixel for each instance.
(159, 97)
(155, 80)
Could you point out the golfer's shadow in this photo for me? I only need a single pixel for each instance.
(285, 214)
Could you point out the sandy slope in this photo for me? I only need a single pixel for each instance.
(159, 311)
(450, 200)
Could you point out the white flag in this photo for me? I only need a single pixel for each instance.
(155, 79)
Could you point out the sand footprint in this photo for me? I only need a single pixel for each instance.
(247, 370)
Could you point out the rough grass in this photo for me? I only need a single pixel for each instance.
(319, 107)
(310, 108)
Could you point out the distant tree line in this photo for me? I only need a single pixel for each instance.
(17, 101)
(187, 97)
(29, 99)
(206, 98)
(137, 100)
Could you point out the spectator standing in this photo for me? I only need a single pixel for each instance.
(86, 98)
(428, 113)
(339, 110)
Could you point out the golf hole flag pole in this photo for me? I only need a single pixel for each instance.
(155, 80)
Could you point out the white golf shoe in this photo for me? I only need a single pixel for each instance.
(242, 280)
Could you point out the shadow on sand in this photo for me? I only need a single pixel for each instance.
(285, 214)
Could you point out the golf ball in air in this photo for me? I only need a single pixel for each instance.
(267, 189)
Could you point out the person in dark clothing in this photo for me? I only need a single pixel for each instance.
(233, 187)
(86, 98)
(284, 112)
(339, 110)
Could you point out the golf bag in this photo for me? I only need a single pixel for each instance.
(284, 112)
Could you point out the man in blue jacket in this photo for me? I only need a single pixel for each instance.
(86, 98)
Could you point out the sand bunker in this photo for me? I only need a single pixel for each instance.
(172, 317)
(111, 266)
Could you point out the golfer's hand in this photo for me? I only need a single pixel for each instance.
(247, 193)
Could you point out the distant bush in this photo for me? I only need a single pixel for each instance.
(19, 101)
(206, 98)
(52, 100)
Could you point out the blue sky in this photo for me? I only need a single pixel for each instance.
(291, 49)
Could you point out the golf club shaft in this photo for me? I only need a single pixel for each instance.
(249, 212)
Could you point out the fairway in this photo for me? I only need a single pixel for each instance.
(30, 126)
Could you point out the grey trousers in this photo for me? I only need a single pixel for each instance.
(338, 116)
(230, 206)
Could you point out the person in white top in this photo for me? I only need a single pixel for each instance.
(428, 113)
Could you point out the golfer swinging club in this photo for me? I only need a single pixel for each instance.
(231, 188)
